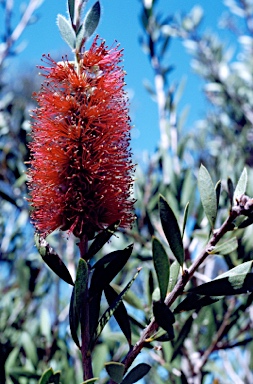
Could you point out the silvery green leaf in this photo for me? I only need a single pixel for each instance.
(241, 185)
(207, 194)
(66, 31)
(91, 20)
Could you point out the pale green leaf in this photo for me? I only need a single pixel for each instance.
(66, 31)
(226, 247)
(241, 185)
(207, 194)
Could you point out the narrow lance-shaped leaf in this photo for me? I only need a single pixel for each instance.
(193, 301)
(91, 20)
(160, 335)
(101, 239)
(45, 378)
(230, 190)
(52, 259)
(56, 378)
(110, 311)
(91, 381)
(246, 223)
(115, 370)
(174, 272)
(17, 374)
(207, 194)
(227, 286)
(171, 230)
(162, 266)
(239, 269)
(94, 311)
(164, 317)
(101, 279)
(150, 287)
(71, 10)
(74, 319)
(217, 191)
(130, 298)
(226, 247)
(66, 31)
(136, 373)
(80, 286)
(186, 210)
(120, 313)
(105, 260)
(241, 185)
(27, 342)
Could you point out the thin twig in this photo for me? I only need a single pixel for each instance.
(11, 38)
(217, 338)
(183, 280)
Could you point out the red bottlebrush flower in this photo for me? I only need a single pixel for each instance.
(81, 173)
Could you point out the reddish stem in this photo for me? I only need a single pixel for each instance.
(84, 320)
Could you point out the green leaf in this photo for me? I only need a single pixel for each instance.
(129, 297)
(239, 269)
(207, 194)
(71, 10)
(11, 360)
(105, 260)
(246, 223)
(171, 230)
(162, 266)
(90, 381)
(102, 276)
(193, 301)
(28, 344)
(91, 20)
(80, 286)
(241, 185)
(227, 286)
(19, 372)
(73, 319)
(164, 317)
(115, 371)
(230, 190)
(56, 378)
(110, 311)
(217, 191)
(77, 299)
(160, 335)
(174, 272)
(120, 313)
(52, 259)
(94, 311)
(186, 210)
(102, 238)
(45, 324)
(66, 31)
(226, 247)
(47, 375)
(136, 373)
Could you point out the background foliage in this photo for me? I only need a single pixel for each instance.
(211, 343)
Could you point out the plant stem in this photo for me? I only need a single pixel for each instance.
(84, 320)
(217, 337)
(183, 280)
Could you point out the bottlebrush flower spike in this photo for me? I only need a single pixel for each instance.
(81, 173)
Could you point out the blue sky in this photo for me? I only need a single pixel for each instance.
(121, 21)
